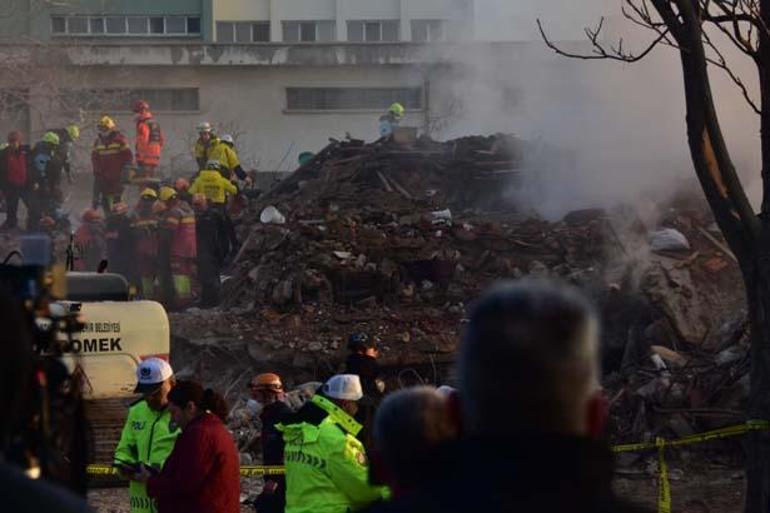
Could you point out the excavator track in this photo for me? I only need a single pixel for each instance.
(106, 418)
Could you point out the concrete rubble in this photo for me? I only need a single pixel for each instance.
(397, 240)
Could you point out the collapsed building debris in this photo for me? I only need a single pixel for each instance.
(398, 240)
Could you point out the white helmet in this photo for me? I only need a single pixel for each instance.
(227, 138)
(214, 164)
(203, 126)
(344, 386)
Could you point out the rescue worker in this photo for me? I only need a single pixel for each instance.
(144, 224)
(267, 390)
(148, 437)
(182, 188)
(206, 139)
(90, 241)
(212, 247)
(120, 243)
(177, 234)
(362, 361)
(110, 157)
(229, 159)
(211, 183)
(45, 180)
(68, 136)
(389, 121)
(14, 165)
(149, 140)
(326, 465)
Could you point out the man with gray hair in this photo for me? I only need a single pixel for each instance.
(531, 410)
(409, 427)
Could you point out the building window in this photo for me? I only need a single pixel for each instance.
(428, 31)
(126, 25)
(373, 31)
(243, 32)
(308, 31)
(352, 98)
(120, 100)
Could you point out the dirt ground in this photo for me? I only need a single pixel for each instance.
(715, 491)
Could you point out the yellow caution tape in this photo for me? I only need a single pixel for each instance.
(246, 470)
(664, 484)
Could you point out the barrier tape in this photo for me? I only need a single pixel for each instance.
(246, 470)
(660, 444)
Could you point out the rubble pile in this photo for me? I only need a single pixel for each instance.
(398, 240)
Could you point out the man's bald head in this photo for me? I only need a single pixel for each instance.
(529, 360)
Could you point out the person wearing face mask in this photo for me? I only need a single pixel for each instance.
(202, 473)
(267, 390)
(326, 465)
(147, 438)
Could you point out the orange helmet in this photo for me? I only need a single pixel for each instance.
(120, 208)
(90, 215)
(47, 222)
(158, 207)
(199, 200)
(181, 184)
(267, 381)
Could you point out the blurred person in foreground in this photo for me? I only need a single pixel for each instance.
(202, 474)
(267, 390)
(326, 465)
(147, 438)
(20, 493)
(409, 426)
(531, 411)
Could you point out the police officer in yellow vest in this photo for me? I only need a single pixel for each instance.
(147, 438)
(326, 465)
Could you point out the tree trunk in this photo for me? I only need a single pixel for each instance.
(747, 235)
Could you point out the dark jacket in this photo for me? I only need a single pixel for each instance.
(547, 474)
(45, 168)
(213, 244)
(23, 495)
(368, 370)
(120, 246)
(202, 473)
(272, 439)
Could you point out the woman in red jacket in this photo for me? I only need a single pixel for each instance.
(202, 473)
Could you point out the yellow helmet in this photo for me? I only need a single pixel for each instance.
(73, 131)
(166, 193)
(106, 123)
(397, 110)
(149, 194)
(51, 138)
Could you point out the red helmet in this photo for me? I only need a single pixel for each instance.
(140, 106)
(47, 223)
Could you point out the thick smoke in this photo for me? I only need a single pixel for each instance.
(619, 128)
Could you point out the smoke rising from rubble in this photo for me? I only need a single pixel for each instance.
(621, 126)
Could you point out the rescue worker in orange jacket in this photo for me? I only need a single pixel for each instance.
(110, 156)
(149, 140)
(144, 224)
(90, 241)
(177, 234)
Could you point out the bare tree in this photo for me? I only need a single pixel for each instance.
(689, 26)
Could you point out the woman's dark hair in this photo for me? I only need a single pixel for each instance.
(205, 399)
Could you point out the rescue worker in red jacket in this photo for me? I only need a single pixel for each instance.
(14, 166)
(110, 156)
(201, 474)
(144, 224)
(177, 233)
(120, 243)
(90, 241)
(149, 140)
